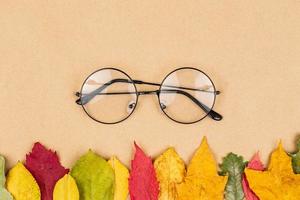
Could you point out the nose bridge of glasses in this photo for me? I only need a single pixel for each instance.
(149, 92)
(144, 91)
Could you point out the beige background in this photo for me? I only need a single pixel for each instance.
(249, 48)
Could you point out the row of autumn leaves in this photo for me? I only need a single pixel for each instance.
(93, 178)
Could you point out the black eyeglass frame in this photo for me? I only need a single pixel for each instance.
(209, 111)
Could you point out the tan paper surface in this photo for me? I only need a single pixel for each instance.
(249, 48)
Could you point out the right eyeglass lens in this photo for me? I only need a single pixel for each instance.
(187, 95)
(108, 96)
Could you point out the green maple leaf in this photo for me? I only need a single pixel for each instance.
(233, 165)
(296, 159)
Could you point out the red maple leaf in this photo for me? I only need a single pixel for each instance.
(255, 164)
(143, 183)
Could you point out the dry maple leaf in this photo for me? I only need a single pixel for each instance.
(170, 172)
(279, 181)
(202, 181)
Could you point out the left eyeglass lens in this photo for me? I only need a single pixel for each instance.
(187, 95)
(108, 96)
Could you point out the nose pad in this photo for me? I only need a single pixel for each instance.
(131, 106)
(163, 106)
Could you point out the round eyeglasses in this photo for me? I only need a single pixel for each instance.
(186, 95)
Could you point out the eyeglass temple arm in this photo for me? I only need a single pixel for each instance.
(177, 87)
(86, 98)
(211, 113)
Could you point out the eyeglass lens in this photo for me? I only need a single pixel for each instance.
(107, 101)
(178, 91)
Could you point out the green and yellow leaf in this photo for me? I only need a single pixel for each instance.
(94, 177)
(4, 194)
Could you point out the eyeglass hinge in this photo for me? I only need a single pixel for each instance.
(78, 94)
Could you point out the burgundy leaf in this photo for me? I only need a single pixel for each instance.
(46, 169)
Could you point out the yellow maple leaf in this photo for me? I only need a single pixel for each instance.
(21, 184)
(66, 189)
(121, 179)
(170, 171)
(279, 181)
(202, 181)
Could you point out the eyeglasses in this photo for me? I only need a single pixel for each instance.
(186, 95)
